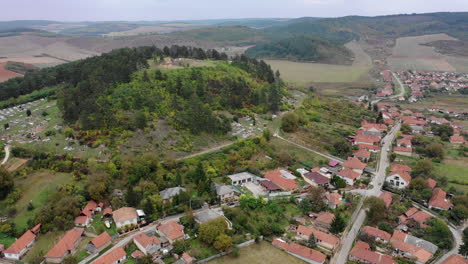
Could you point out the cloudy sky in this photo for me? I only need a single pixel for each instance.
(101, 10)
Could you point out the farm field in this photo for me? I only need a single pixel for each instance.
(260, 253)
(162, 28)
(409, 54)
(7, 74)
(457, 102)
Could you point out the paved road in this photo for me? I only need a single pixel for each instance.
(7, 155)
(401, 93)
(359, 215)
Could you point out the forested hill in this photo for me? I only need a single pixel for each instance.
(303, 48)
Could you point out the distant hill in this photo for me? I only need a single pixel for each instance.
(303, 48)
(235, 34)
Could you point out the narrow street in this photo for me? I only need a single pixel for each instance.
(357, 220)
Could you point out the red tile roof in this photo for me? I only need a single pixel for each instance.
(457, 139)
(319, 235)
(287, 184)
(431, 183)
(334, 198)
(302, 251)
(411, 211)
(67, 243)
(455, 259)
(400, 167)
(21, 243)
(144, 240)
(368, 125)
(348, 173)
(439, 199)
(362, 153)
(404, 175)
(367, 139)
(421, 218)
(101, 240)
(325, 217)
(36, 228)
(111, 257)
(89, 208)
(137, 254)
(362, 252)
(387, 198)
(403, 149)
(354, 163)
(172, 230)
(368, 147)
(124, 214)
(397, 242)
(81, 220)
(107, 211)
(375, 232)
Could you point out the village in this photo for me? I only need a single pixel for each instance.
(115, 235)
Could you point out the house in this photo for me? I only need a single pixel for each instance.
(172, 230)
(117, 255)
(370, 148)
(373, 128)
(99, 243)
(333, 200)
(439, 200)
(398, 179)
(324, 240)
(137, 254)
(387, 198)
(269, 187)
(279, 179)
(431, 183)
(226, 193)
(307, 254)
(362, 154)
(405, 141)
(17, 250)
(362, 253)
(316, 179)
(377, 234)
(169, 193)
(366, 140)
(125, 216)
(412, 247)
(457, 140)
(455, 259)
(400, 167)
(107, 212)
(324, 220)
(187, 259)
(404, 151)
(355, 165)
(241, 178)
(86, 215)
(333, 163)
(415, 214)
(349, 175)
(66, 246)
(147, 244)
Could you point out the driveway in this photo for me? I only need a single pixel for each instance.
(255, 189)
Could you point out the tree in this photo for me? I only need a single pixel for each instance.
(464, 247)
(385, 226)
(338, 182)
(435, 150)
(315, 198)
(338, 225)
(341, 148)
(379, 119)
(376, 210)
(6, 126)
(406, 129)
(423, 168)
(223, 242)
(311, 241)
(28, 112)
(443, 131)
(438, 233)
(210, 230)
(266, 134)
(6, 183)
(290, 122)
(392, 157)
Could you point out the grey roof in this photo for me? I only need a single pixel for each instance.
(241, 176)
(421, 243)
(224, 189)
(206, 215)
(171, 192)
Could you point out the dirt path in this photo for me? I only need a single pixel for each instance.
(206, 151)
(7, 155)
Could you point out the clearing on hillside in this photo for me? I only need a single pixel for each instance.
(6, 74)
(410, 54)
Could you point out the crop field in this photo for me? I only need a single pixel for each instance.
(263, 252)
(458, 102)
(163, 28)
(409, 54)
(6, 74)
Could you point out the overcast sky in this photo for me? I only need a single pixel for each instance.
(101, 10)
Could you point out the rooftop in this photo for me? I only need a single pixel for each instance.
(101, 240)
(67, 243)
(171, 192)
(124, 214)
(302, 251)
(21, 243)
(172, 230)
(439, 199)
(111, 257)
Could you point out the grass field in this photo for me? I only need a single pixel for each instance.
(457, 102)
(260, 253)
(298, 153)
(43, 244)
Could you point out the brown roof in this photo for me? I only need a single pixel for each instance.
(319, 235)
(439, 199)
(81, 220)
(316, 177)
(111, 257)
(269, 185)
(89, 208)
(354, 163)
(107, 211)
(187, 258)
(334, 198)
(144, 240)
(65, 244)
(325, 217)
(411, 211)
(387, 198)
(124, 214)
(362, 153)
(455, 259)
(375, 232)
(348, 173)
(302, 251)
(397, 241)
(137, 254)
(172, 230)
(101, 240)
(21, 243)
(431, 183)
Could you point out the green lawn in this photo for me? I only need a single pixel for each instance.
(43, 244)
(300, 154)
(98, 226)
(6, 240)
(259, 253)
(200, 250)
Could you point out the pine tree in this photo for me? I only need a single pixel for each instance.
(338, 225)
(311, 242)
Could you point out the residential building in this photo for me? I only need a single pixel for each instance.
(355, 165)
(279, 179)
(269, 186)
(115, 256)
(147, 244)
(363, 254)
(242, 178)
(431, 183)
(307, 254)
(398, 179)
(125, 216)
(323, 219)
(455, 259)
(457, 140)
(66, 246)
(400, 167)
(404, 151)
(387, 198)
(377, 234)
(333, 200)
(362, 154)
(172, 230)
(169, 193)
(86, 215)
(99, 243)
(412, 247)
(324, 240)
(439, 200)
(349, 176)
(317, 179)
(226, 193)
(17, 250)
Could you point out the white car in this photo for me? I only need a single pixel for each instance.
(107, 223)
